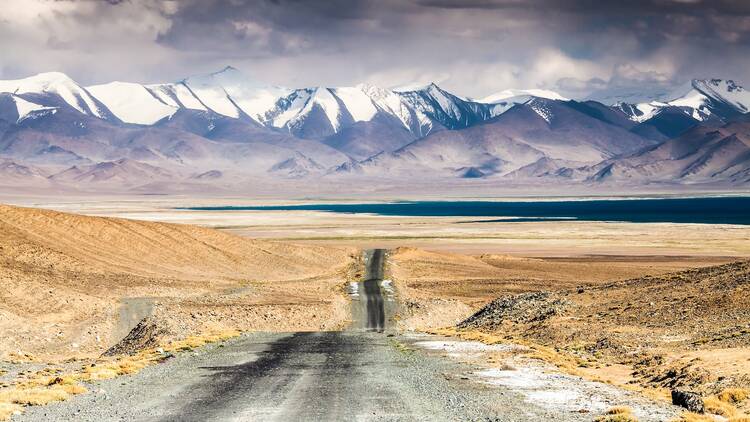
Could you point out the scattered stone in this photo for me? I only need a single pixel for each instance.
(56, 380)
(145, 335)
(520, 309)
(689, 400)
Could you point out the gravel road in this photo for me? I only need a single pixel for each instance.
(358, 374)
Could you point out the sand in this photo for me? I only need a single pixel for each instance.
(63, 276)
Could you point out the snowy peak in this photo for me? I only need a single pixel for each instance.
(21, 109)
(704, 99)
(446, 109)
(231, 93)
(57, 85)
(639, 112)
(726, 91)
(133, 103)
(510, 94)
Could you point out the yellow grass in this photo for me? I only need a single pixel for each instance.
(566, 363)
(617, 418)
(617, 414)
(44, 389)
(718, 407)
(193, 342)
(694, 417)
(618, 410)
(733, 395)
(35, 396)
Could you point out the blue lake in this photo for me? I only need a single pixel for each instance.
(708, 210)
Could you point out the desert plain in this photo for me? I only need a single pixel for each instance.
(644, 306)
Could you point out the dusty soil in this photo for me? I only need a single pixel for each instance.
(441, 289)
(626, 320)
(63, 277)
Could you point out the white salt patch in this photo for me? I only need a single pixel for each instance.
(551, 390)
(554, 396)
(520, 378)
(465, 346)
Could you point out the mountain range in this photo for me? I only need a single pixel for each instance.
(227, 129)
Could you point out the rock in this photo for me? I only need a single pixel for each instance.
(145, 335)
(520, 309)
(691, 401)
(56, 380)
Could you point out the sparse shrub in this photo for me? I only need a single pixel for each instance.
(733, 395)
(694, 417)
(617, 414)
(36, 396)
(619, 410)
(718, 407)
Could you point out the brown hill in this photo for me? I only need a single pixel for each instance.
(62, 276)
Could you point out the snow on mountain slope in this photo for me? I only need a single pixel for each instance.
(504, 100)
(327, 102)
(176, 95)
(27, 109)
(560, 131)
(208, 89)
(639, 112)
(704, 100)
(446, 109)
(393, 104)
(726, 91)
(58, 84)
(510, 93)
(231, 93)
(132, 103)
(252, 97)
(359, 105)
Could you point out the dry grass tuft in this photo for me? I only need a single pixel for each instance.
(694, 417)
(34, 396)
(196, 341)
(717, 407)
(619, 410)
(617, 414)
(733, 395)
(566, 363)
(44, 389)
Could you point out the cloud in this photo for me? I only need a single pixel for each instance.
(473, 47)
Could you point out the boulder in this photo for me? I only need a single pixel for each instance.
(691, 401)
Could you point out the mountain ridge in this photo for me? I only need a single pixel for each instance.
(226, 126)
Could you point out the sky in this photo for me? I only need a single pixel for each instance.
(580, 48)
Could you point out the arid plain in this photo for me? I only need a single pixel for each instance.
(647, 306)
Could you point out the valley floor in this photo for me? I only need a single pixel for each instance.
(640, 306)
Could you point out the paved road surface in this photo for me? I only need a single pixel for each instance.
(365, 373)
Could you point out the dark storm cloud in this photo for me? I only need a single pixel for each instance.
(471, 46)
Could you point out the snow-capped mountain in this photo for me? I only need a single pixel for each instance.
(226, 127)
(540, 129)
(55, 89)
(706, 99)
(337, 115)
